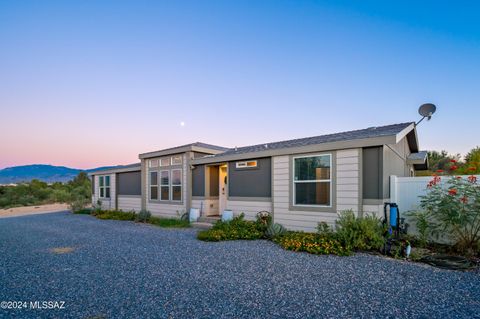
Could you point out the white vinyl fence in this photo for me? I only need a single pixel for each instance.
(405, 191)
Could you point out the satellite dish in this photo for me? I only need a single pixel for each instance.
(426, 110)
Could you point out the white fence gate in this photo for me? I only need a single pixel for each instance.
(405, 191)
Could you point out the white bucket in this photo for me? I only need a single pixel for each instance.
(194, 214)
(227, 215)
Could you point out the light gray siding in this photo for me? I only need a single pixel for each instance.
(106, 203)
(395, 163)
(346, 192)
(129, 203)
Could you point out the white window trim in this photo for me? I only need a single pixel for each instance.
(163, 185)
(154, 185)
(153, 163)
(312, 181)
(162, 159)
(104, 187)
(181, 185)
(177, 156)
(244, 164)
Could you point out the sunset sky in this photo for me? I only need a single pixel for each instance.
(92, 83)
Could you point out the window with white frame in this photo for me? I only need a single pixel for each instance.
(176, 184)
(312, 180)
(164, 185)
(153, 185)
(153, 163)
(104, 186)
(246, 164)
(177, 160)
(165, 161)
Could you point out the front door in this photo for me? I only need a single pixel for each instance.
(223, 188)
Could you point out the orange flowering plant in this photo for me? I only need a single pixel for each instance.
(452, 210)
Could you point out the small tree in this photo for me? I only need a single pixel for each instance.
(453, 211)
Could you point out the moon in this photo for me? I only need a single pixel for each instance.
(182, 123)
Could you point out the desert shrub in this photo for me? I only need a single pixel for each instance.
(359, 233)
(453, 212)
(169, 222)
(116, 215)
(274, 230)
(324, 229)
(237, 228)
(143, 216)
(423, 226)
(312, 243)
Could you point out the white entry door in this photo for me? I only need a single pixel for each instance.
(223, 188)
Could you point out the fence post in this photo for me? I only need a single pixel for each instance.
(393, 189)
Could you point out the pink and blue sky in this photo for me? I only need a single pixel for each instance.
(93, 83)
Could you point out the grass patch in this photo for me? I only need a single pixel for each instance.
(141, 217)
(84, 211)
(115, 215)
(168, 222)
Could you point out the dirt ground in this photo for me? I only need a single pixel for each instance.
(31, 210)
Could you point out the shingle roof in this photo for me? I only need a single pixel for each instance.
(370, 132)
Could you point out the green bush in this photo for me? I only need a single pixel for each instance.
(237, 228)
(143, 216)
(359, 233)
(169, 222)
(116, 215)
(312, 243)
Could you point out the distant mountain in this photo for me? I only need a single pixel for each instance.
(46, 173)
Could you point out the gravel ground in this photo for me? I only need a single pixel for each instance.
(127, 270)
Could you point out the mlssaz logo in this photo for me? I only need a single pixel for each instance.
(47, 304)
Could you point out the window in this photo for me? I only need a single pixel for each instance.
(153, 185)
(153, 163)
(177, 184)
(165, 161)
(164, 185)
(246, 164)
(104, 186)
(312, 180)
(177, 160)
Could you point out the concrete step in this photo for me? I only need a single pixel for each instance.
(209, 219)
(201, 225)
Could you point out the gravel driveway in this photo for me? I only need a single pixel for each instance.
(113, 269)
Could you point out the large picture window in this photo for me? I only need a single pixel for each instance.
(153, 185)
(165, 185)
(177, 184)
(312, 180)
(104, 186)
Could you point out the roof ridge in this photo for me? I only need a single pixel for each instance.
(323, 135)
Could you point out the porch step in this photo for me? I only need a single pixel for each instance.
(209, 219)
(201, 225)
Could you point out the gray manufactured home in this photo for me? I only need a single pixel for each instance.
(300, 182)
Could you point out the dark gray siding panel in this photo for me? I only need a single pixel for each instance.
(198, 180)
(372, 173)
(129, 183)
(251, 182)
(214, 182)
